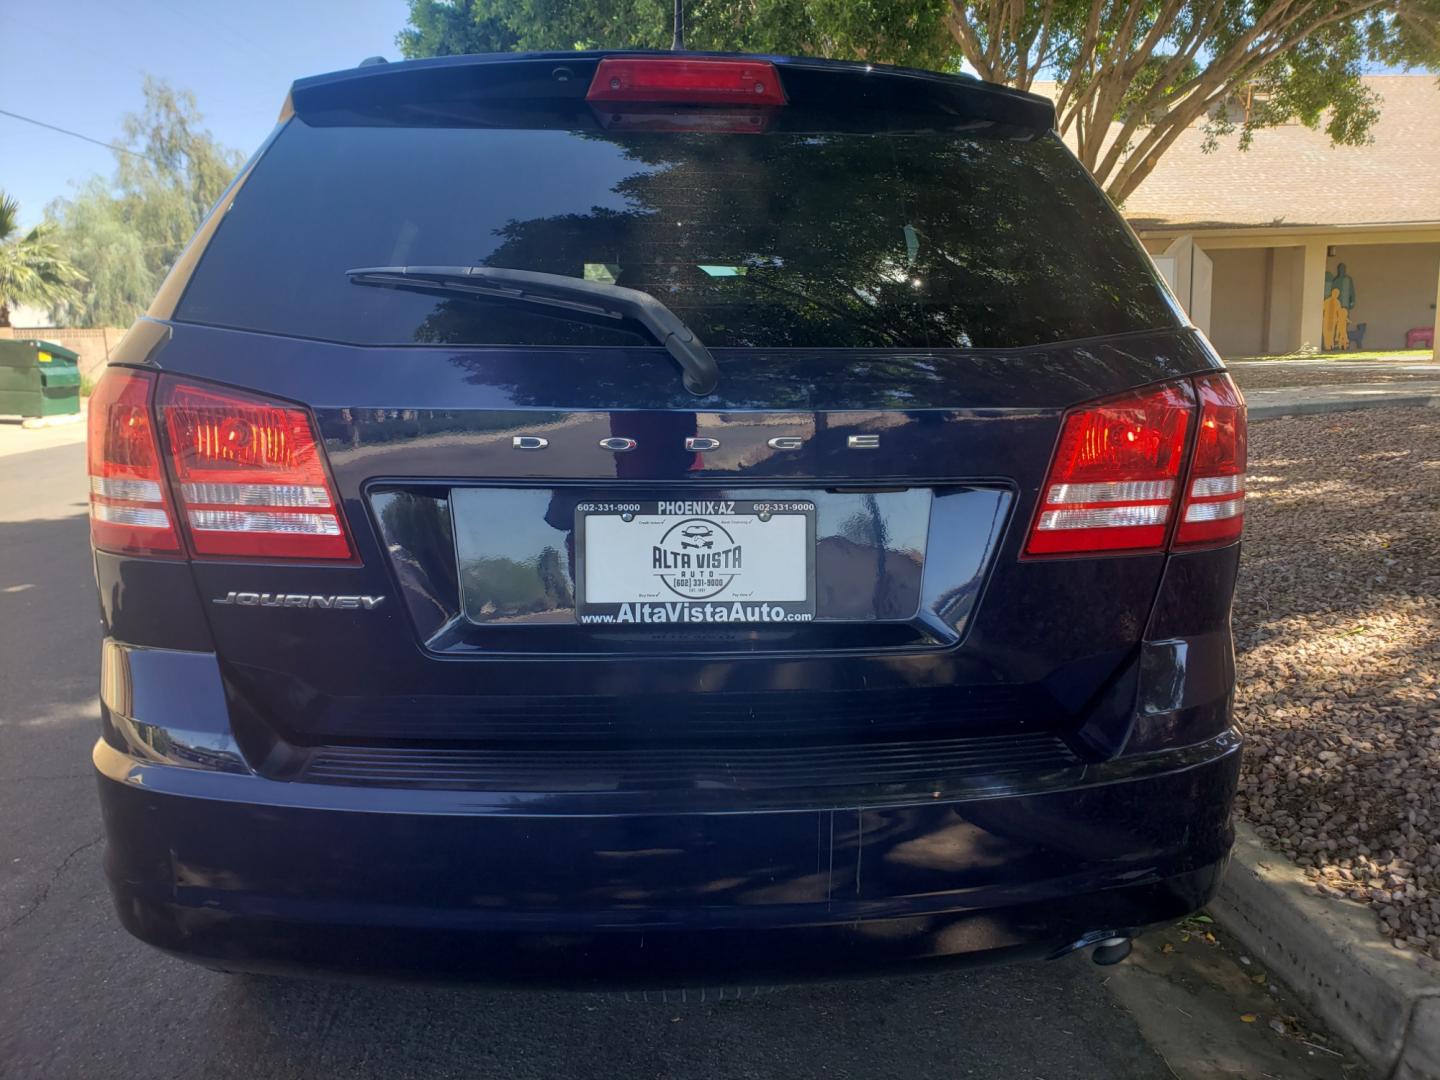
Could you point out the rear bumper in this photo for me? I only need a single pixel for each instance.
(245, 873)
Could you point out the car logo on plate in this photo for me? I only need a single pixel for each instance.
(696, 558)
(697, 536)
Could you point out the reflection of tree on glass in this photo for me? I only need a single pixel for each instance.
(910, 241)
(881, 238)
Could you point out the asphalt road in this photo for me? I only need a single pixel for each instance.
(79, 998)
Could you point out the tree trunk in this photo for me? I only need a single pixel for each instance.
(4, 315)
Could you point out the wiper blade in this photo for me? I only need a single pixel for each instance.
(697, 366)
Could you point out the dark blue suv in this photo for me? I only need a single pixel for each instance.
(662, 519)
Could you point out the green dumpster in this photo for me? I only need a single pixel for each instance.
(38, 378)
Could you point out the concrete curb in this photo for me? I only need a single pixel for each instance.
(1307, 401)
(1382, 1000)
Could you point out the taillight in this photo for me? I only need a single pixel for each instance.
(1214, 507)
(1113, 480)
(129, 510)
(688, 81)
(250, 478)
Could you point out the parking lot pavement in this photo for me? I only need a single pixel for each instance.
(80, 999)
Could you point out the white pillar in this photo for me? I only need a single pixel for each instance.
(1202, 282)
(1312, 298)
(1435, 337)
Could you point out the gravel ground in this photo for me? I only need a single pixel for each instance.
(1337, 622)
(1334, 373)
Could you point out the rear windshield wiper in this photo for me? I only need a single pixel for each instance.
(571, 294)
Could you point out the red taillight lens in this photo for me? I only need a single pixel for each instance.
(1214, 508)
(129, 511)
(1113, 480)
(251, 482)
(686, 81)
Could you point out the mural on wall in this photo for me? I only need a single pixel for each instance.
(1339, 300)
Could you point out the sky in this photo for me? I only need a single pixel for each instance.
(79, 65)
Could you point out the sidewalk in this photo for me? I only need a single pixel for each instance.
(1299, 387)
(1271, 402)
(1254, 375)
(15, 439)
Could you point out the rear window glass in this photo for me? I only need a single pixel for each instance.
(886, 240)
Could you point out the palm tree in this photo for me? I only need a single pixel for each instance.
(32, 269)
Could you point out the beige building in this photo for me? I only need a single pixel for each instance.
(1246, 238)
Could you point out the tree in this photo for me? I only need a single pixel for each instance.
(32, 268)
(1130, 75)
(98, 237)
(126, 232)
(1133, 75)
(453, 29)
(869, 29)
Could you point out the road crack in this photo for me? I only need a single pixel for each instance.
(44, 893)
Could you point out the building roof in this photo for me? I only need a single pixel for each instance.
(1292, 176)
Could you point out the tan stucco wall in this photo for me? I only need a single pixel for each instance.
(1401, 265)
(1286, 299)
(1237, 304)
(1394, 288)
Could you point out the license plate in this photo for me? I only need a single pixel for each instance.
(695, 562)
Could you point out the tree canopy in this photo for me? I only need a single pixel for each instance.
(1130, 75)
(32, 268)
(124, 233)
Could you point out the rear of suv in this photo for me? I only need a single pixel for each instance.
(662, 519)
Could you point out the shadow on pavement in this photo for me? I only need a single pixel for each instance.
(1050, 1020)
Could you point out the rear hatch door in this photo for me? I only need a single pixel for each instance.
(904, 283)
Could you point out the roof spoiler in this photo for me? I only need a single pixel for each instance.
(560, 77)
